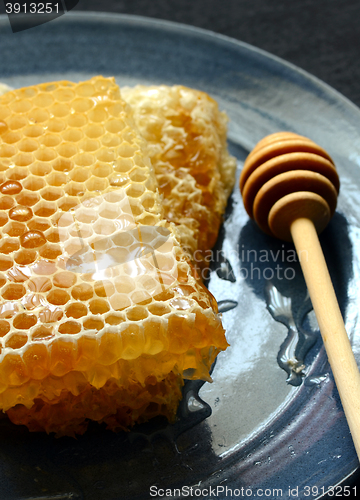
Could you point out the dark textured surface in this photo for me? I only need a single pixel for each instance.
(322, 36)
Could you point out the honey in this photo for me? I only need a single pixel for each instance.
(186, 134)
(91, 266)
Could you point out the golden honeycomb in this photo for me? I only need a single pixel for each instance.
(186, 134)
(102, 315)
(4, 88)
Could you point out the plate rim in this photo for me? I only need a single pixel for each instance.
(174, 26)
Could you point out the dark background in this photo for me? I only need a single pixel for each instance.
(320, 36)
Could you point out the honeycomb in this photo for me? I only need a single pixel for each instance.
(4, 88)
(186, 134)
(102, 314)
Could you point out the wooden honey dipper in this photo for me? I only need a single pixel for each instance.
(289, 187)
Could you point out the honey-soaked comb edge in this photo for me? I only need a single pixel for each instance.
(69, 414)
(49, 356)
(38, 382)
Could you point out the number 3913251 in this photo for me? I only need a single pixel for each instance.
(32, 8)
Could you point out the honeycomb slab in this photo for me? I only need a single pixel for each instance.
(187, 138)
(102, 315)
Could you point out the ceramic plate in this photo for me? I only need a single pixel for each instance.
(271, 423)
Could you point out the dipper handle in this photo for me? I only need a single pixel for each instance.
(289, 186)
(331, 324)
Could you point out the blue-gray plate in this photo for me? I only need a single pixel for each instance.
(271, 423)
